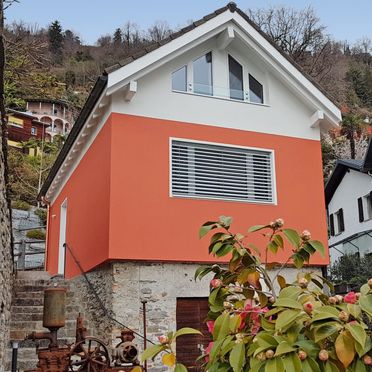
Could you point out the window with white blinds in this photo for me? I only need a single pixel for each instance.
(221, 172)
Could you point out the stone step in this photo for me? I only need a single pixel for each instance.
(33, 275)
(26, 316)
(29, 294)
(27, 301)
(26, 309)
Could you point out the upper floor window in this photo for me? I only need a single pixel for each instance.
(365, 207)
(236, 79)
(336, 222)
(211, 171)
(179, 79)
(34, 131)
(202, 75)
(255, 90)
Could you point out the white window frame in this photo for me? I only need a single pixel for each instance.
(34, 131)
(367, 208)
(62, 238)
(273, 173)
(246, 73)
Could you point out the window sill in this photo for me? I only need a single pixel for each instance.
(216, 199)
(221, 98)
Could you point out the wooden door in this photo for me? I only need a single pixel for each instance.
(192, 312)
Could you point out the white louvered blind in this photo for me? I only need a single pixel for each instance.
(221, 172)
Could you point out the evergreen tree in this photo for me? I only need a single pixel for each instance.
(118, 37)
(55, 40)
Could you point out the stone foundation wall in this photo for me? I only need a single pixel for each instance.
(6, 265)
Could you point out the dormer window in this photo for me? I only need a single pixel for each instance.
(179, 79)
(232, 80)
(236, 79)
(202, 74)
(255, 90)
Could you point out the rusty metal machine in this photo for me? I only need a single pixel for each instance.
(87, 354)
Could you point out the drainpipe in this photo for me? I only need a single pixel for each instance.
(144, 302)
(14, 355)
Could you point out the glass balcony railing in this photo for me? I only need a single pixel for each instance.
(246, 96)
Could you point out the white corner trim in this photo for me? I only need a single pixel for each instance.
(225, 38)
(316, 118)
(77, 151)
(130, 90)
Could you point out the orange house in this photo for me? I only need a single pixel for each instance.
(214, 120)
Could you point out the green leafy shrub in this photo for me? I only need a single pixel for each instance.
(42, 214)
(36, 234)
(300, 328)
(20, 204)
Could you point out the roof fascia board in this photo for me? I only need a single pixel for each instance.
(77, 151)
(117, 79)
(274, 59)
(286, 69)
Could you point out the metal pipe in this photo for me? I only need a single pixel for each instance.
(14, 355)
(144, 302)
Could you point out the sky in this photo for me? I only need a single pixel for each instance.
(345, 19)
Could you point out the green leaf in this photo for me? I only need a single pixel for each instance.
(330, 367)
(325, 312)
(358, 333)
(187, 331)
(221, 327)
(364, 289)
(288, 302)
(180, 368)
(290, 292)
(293, 237)
(322, 332)
(235, 323)
(204, 230)
(298, 260)
(284, 348)
(152, 351)
(318, 246)
(310, 365)
(365, 302)
(279, 241)
(310, 347)
(292, 363)
(344, 346)
(202, 272)
(274, 365)
(237, 357)
(225, 221)
(272, 247)
(256, 228)
(286, 318)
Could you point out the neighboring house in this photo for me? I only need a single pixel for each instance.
(58, 114)
(23, 126)
(214, 120)
(349, 205)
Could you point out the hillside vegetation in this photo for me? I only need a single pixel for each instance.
(53, 63)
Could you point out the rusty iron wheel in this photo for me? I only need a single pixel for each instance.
(89, 355)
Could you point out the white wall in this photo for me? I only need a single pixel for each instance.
(284, 114)
(353, 186)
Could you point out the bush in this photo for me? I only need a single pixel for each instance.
(42, 214)
(257, 328)
(36, 234)
(20, 204)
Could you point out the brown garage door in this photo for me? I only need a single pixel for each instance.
(192, 312)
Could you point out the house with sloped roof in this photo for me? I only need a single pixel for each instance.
(348, 195)
(214, 120)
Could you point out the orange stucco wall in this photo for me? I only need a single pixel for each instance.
(88, 196)
(119, 206)
(148, 224)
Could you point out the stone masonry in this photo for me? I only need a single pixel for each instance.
(6, 263)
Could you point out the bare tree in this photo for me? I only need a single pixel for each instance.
(297, 32)
(159, 31)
